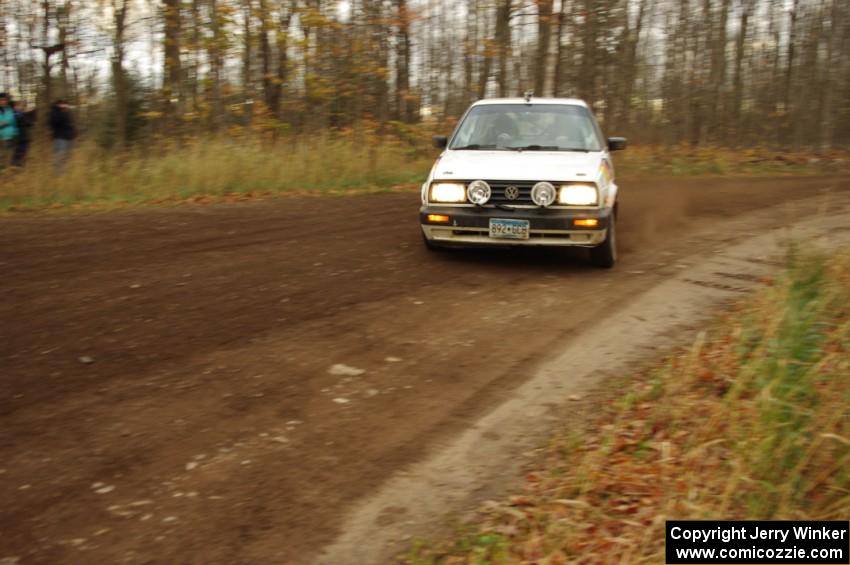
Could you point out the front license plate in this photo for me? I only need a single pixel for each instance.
(509, 229)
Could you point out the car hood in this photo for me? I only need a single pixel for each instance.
(518, 165)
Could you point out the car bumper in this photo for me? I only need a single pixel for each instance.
(470, 227)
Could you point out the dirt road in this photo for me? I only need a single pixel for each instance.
(218, 384)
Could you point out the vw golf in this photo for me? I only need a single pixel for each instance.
(524, 171)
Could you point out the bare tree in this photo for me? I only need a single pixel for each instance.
(503, 42)
(172, 67)
(215, 51)
(402, 57)
(746, 7)
(544, 39)
(716, 71)
(119, 75)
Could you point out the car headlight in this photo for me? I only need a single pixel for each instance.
(543, 194)
(478, 192)
(447, 192)
(578, 195)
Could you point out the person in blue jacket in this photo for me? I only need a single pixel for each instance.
(8, 130)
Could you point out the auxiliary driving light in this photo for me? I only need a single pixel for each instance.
(478, 192)
(543, 194)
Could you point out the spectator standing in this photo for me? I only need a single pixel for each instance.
(63, 132)
(8, 129)
(25, 120)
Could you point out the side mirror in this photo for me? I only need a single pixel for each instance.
(440, 141)
(616, 143)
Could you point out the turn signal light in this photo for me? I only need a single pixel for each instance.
(438, 218)
(586, 222)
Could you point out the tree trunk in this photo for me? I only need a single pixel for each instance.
(266, 54)
(284, 19)
(471, 48)
(503, 42)
(588, 71)
(738, 83)
(631, 68)
(172, 69)
(717, 77)
(4, 51)
(557, 78)
(194, 74)
(827, 116)
(119, 76)
(215, 58)
(402, 61)
(46, 68)
(63, 19)
(486, 65)
(790, 97)
(247, 71)
(544, 38)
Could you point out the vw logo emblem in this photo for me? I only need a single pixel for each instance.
(511, 193)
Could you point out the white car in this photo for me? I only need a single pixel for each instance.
(524, 171)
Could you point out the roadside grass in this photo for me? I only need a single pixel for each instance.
(687, 160)
(240, 168)
(213, 170)
(750, 422)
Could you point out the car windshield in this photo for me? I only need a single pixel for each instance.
(541, 127)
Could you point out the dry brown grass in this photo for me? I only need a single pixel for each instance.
(687, 160)
(214, 168)
(238, 167)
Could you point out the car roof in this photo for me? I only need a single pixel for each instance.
(562, 101)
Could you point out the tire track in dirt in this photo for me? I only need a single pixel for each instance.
(209, 404)
(459, 476)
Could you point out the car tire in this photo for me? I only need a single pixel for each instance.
(604, 255)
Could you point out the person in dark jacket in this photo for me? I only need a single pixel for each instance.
(25, 120)
(63, 132)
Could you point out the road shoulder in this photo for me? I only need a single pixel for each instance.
(488, 454)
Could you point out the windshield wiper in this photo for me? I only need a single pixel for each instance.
(474, 146)
(536, 148)
(579, 149)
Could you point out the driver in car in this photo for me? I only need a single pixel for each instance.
(502, 131)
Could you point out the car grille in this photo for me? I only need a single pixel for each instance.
(499, 188)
